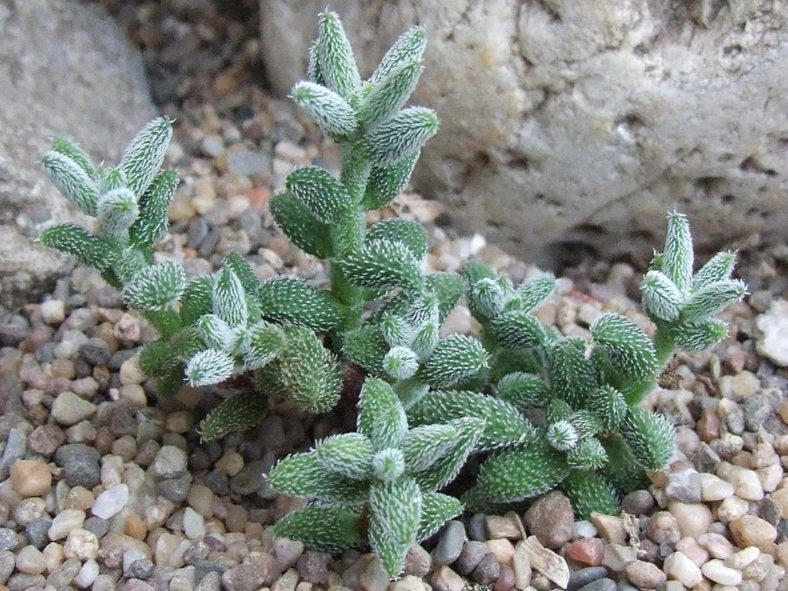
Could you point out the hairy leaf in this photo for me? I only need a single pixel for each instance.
(311, 372)
(436, 509)
(400, 136)
(236, 414)
(629, 349)
(287, 299)
(156, 287)
(349, 454)
(456, 358)
(209, 367)
(329, 110)
(590, 493)
(299, 224)
(145, 154)
(382, 264)
(152, 222)
(677, 258)
(650, 437)
(72, 180)
(395, 509)
(719, 268)
(385, 183)
(386, 96)
(323, 527)
(335, 56)
(304, 475)
(325, 196)
(661, 298)
(72, 239)
(411, 234)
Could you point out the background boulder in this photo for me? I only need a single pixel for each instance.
(65, 69)
(570, 126)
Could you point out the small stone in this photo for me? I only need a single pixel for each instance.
(7, 564)
(487, 570)
(69, 409)
(617, 557)
(746, 484)
(715, 570)
(684, 485)
(584, 576)
(693, 519)
(470, 556)
(135, 527)
(133, 394)
(255, 571)
(502, 526)
(9, 540)
(31, 478)
(87, 574)
(182, 579)
(587, 551)
(645, 574)
(53, 312)
(604, 584)
(45, 439)
(521, 566)
(37, 532)
(551, 519)
(663, 528)
(714, 488)
(98, 526)
(502, 549)
(692, 550)
(749, 530)
(111, 501)
(546, 562)
(193, 524)
(445, 579)
(231, 463)
(450, 543)
(141, 568)
(130, 372)
(774, 326)
(174, 489)
(682, 569)
(743, 558)
(732, 508)
(639, 502)
(64, 522)
(417, 561)
(610, 528)
(170, 461)
(287, 552)
(30, 561)
(505, 580)
(717, 545)
(81, 544)
(201, 499)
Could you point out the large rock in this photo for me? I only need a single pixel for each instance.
(574, 123)
(65, 69)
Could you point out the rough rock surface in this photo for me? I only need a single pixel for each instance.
(65, 69)
(578, 124)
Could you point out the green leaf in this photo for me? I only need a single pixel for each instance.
(622, 470)
(572, 377)
(313, 66)
(311, 372)
(411, 234)
(299, 224)
(156, 287)
(504, 425)
(386, 96)
(330, 111)
(243, 270)
(291, 300)
(425, 341)
(448, 288)
(523, 390)
(385, 183)
(677, 258)
(436, 509)
(325, 196)
(388, 464)
(185, 343)
(152, 223)
(381, 417)
(265, 343)
(327, 528)
(488, 297)
(145, 154)
(348, 454)
(303, 475)
(382, 264)
(532, 293)
(209, 367)
(699, 336)
(589, 454)
(335, 56)
(400, 136)
(214, 331)
(519, 329)
(90, 250)
(712, 298)
(455, 359)
(156, 357)
(228, 297)
(562, 435)
(517, 474)
(407, 48)
(395, 331)
(366, 347)
(719, 268)
(661, 298)
(117, 210)
(446, 468)
(73, 151)
(236, 414)
(168, 384)
(72, 180)
(650, 437)
(400, 363)
(610, 407)
(423, 446)
(589, 493)
(395, 509)
(196, 299)
(628, 348)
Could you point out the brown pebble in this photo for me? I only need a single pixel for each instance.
(588, 551)
(749, 530)
(31, 478)
(135, 527)
(505, 579)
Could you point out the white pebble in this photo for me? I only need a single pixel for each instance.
(746, 484)
(714, 488)
(132, 555)
(30, 561)
(715, 570)
(64, 522)
(583, 529)
(681, 568)
(87, 574)
(82, 544)
(193, 524)
(111, 501)
(53, 311)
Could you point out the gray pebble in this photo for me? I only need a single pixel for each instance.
(80, 464)
(140, 569)
(46, 352)
(139, 585)
(249, 162)
(472, 553)
(120, 357)
(21, 582)
(199, 460)
(758, 408)
(313, 566)
(476, 527)
(218, 483)
(46, 439)
(9, 540)
(37, 530)
(209, 242)
(487, 571)
(14, 328)
(7, 563)
(600, 585)
(14, 449)
(450, 543)
(97, 525)
(203, 567)
(584, 576)
(198, 230)
(251, 223)
(639, 502)
(770, 511)
(248, 480)
(62, 576)
(175, 489)
(95, 352)
(211, 581)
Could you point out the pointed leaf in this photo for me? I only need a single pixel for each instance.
(407, 48)
(236, 414)
(395, 509)
(388, 95)
(436, 509)
(712, 298)
(214, 331)
(327, 528)
(156, 287)
(456, 358)
(73, 151)
(330, 111)
(72, 181)
(650, 437)
(311, 372)
(423, 446)
(382, 264)
(366, 347)
(385, 183)
(590, 493)
(445, 469)
(448, 288)
(325, 196)
(519, 329)
(523, 390)
(661, 298)
(287, 299)
(74, 240)
(400, 136)
(609, 405)
(677, 258)
(629, 349)
(209, 367)
(116, 211)
(265, 343)
(335, 56)
(196, 299)
(699, 336)
(411, 234)
(152, 222)
(299, 224)
(145, 154)
(349, 454)
(532, 293)
(719, 268)
(572, 377)
(381, 417)
(303, 475)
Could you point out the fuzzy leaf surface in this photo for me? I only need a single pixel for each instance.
(411, 234)
(348, 454)
(407, 48)
(329, 110)
(311, 372)
(401, 136)
(677, 258)
(382, 264)
(322, 527)
(385, 183)
(335, 56)
(436, 509)
(74, 240)
(144, 155)
(239, 413)
(381, 417)
(156, 287)
(287, 299)
(590, 492)
(152, 223)
(456, 358)
(301, 226)
(445, 469)
(303, 475)
(572, 377)
(395, 509)
(650, 437)
(72, 181)
(629, 350)
(325, 196)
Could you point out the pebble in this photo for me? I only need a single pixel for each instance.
(38, 532)
(87, 574)
(31, 478)
(716, 571)
(692, 550)
(470, 556)
(445, 579)
(551, 519)
(502, 549)
(14, 450)
(502, 526)
(30, 561)
(80, 464)
(604, 584)
(450, 543)
(546, 561)
(663, 528)
(618, 556)
(170, 461)
(587, 551)
(611, 528)
(418, 561)
(141, 568)
(82, 544)
(111, 501)
(693, 519)
(69, 409)
(717, 545)
(53, 311)
(201, 499)
(684, 485)
(255, 571)
(7, 564)
(64, 522)
(582, 577)
(714, 488)
(638, 502)
(749, 530)
(645, 574)
(746, 484)
(193, 524)
(174, 489)
(487, 571)
(287, 552)
(682, 569)
(521, 565)
(732, 508)
(46, 439)
(774, 326)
